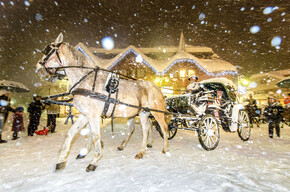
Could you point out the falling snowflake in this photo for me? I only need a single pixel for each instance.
(255, 29)
(276, 41)
(27, 3)
(38, 17)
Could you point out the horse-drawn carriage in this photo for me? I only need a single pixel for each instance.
(92, 98)
(202, 113)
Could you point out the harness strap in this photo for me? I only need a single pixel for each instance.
(96, 69)
(55, 96)
(102, 97)
(63, 102)
(57, 54)
(112, 115)
(83, 78)
(106, 106)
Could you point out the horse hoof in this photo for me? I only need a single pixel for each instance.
(149, 145)
(120, 148)
(139, 156)
(91, 167)
(164, 151)
(60, 166)
(80, 156)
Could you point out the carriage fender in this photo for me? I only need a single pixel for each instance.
(235, 116)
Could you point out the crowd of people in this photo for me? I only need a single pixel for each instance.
(34, 109)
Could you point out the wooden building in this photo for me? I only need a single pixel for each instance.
(166, 66)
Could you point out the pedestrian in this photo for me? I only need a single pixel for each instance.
(3, 105)
(4, 110)
(34, 109)
(52, 111)
(251, 108)
(17, 124)
(70, 116)
(6, 97)
(273, 114)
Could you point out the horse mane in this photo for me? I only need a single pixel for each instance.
(79, 57)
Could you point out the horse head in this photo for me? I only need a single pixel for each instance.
(50, 63)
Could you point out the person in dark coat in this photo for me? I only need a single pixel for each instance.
(17, 124)
(34, 110)
(273, 113)
(251, 108)
(4, 110)
(6, 97)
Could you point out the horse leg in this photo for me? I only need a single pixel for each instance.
(82, 121)
(150, 135)
(88, 145)
(160, 118)
(96, 140)
(131, 125)
(145, 123)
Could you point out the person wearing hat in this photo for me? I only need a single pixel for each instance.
(17, 124)
(273, 114)
(34, 110)
(194, 86)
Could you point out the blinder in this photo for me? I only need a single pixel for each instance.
(46, 50)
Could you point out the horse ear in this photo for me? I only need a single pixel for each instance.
(59, 39)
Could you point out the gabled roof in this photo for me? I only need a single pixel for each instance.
(275, 74)
(213, 67)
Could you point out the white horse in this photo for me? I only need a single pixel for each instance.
(143, 94)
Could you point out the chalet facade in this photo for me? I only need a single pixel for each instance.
(165, 66)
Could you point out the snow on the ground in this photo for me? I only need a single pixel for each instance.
(260, 164)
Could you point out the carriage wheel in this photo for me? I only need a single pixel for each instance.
(209, 132)
(244, 129)
(171, 130)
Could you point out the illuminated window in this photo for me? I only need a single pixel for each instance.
(182, 73)
(191, 72)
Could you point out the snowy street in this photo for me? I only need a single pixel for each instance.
(261, 164)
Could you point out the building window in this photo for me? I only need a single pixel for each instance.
(140, 73)
(191, 72)
(182, 73)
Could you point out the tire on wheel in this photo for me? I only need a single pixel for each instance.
(244, 129)
(171, 130)
(208, 132)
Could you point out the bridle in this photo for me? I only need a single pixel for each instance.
(48, 51)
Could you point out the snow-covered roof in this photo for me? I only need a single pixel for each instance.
(279, 75)
(214, 67)
(12, 86)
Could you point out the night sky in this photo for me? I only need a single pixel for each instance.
(27, 26)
